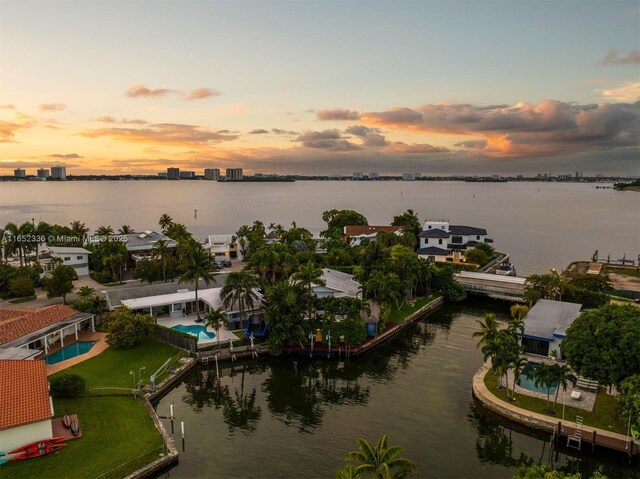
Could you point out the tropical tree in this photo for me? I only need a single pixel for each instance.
(195, 264)
(104, 231)
(381, 461)
(410, 223)
(79, 230)
(216, 319)
(85, 292)
(544, 376)
(240, 290)
(242, 236)
(165, 221)
(563, 376)
(518, 365)
(163, 254)
(488, 330)
(284, 314)
(41, 230)
(60, 282)
(309, 275)
(125, 230)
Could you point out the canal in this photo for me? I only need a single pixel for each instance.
(283, 418)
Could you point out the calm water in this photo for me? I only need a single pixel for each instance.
(542, 225)
(274, 419)
(68, 352)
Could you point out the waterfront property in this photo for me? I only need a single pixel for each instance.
(41, 329)
(441, 241)
(139, 245)
(545, 326)
(338, 285)
(27, 408)
(356, 234)
(76, 257)
(223, 247)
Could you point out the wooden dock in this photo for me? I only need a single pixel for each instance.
(589, 435)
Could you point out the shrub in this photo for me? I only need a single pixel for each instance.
(21, 286)
(67, 386)
(126, 329)
(354, 331)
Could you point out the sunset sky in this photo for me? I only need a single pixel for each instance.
(321, 87)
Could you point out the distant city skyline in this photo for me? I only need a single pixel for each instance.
(321, 87)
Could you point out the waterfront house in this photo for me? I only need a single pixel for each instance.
(26, 406)
(36, 330)
(271, 238)
(224, 247)
(356, 234)
(441, 241)
(76, 257)
(337, 285)
(139, 245)
(545, 326)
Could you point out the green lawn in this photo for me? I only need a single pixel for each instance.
(115, 430)
(604, 415)
(112, 367)
(398, 315)
(627, 272)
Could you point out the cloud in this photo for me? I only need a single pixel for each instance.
(7, 107)
(278, 131)
(166, 133)
(8, 130)
(202, 93)
(415, 148)
(326, 139)
(625, 93)
(67, 155)
(258, 131)
(124, 121)
(138, 91)
(613, 58)
(372, 137)
(52, 107)
(337, 114)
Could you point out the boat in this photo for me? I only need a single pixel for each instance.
(506, 269)
(66, 421)
(75, 428)
(37, 452)
(37, 445)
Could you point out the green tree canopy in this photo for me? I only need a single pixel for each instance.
(337, 219)
(127, 329)
(60, 282)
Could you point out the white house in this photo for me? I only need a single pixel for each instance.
(76, 257)
(545, 326)
(358, 233)
(223, 247)
(27, 408)
(338, 285)
(441, 241)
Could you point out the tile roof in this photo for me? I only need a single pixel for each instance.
(24, 393)
(432, 250)
(434, 233)
(369, 230)
(32, 320)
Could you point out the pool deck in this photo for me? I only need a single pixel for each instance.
(191, 321)
(101, 345)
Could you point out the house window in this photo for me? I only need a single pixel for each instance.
(429, 226)
(478, 237)
(67, 258)
(456, 239)
(440, 241)
(442, 227)
(78, 257)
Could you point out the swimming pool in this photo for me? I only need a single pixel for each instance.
(527, 382)
(68, 352)
(199, 332)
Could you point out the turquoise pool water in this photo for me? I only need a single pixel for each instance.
(199, 332)
(68, 352)
(527, 382)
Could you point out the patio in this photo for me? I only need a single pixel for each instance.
(100, 346)
(190, 320)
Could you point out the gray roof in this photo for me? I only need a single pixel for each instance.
(433, 251)
(550, 319)
(116, 296)
(67, 250)
(466, 230)
(140, 241)
(18, 353)
(434, 233)
(341, 282)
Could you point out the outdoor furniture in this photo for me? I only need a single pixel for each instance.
(575, 395)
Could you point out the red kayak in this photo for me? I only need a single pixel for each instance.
(37, 452)
(34, 446)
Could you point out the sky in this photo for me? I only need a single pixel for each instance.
(321, 87)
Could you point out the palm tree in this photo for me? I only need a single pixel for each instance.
(309, 275)
(125, 230)
(518, 312)
(195, 265)
(239, 289)
(518, 365)
(563, 376)
(41, 230)
(488, 330)
(104, 231)
(242, 234)
(544, 376)
(165, 221)
(161, 252)
(79, 230)
(217, 319)
(380, 461)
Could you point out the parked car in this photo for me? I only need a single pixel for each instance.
(217, 265)
(226, 263)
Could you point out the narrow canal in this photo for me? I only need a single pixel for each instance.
(276, 418)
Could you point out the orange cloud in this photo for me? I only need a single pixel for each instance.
(137, 91)
(202, 93)
(52, 107)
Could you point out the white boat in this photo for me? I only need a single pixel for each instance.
(506, 269)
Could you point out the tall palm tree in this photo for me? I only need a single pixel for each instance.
(488, 330)
(161, 252)
(79, 230)
(380, 461)
(165, 221)
(41, 230)
(563, 376)
(544, 376)
(518, 365)
(105, 231)
(239, 289)
(125, 230)
(309, 275)
(216, 320)
(516, 324)
(195, 264)
(242, 234)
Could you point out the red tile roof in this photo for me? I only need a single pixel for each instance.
(368, 230)
(13, 325)
(24, 393)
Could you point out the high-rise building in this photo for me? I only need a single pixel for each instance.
(43, 173)
(234, 174)
(408, 176)
(59, 172)
(374, 175)
(212, 174)
(187, 174)
(358, 175)
(19, 173)
(173, 173)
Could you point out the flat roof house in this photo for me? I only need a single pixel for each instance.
(545, 326)
(26, 408)
(338, 285)
(223, 247)
(76, 257)
(358, 233)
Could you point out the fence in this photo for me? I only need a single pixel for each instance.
(112, 391)
(136, 463)
(175, 338)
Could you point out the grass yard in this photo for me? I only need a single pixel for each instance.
(111, 368)
(604, 416)
(116, 430)
(398, 315)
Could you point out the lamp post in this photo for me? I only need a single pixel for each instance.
(140, 373)
(133, 373)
